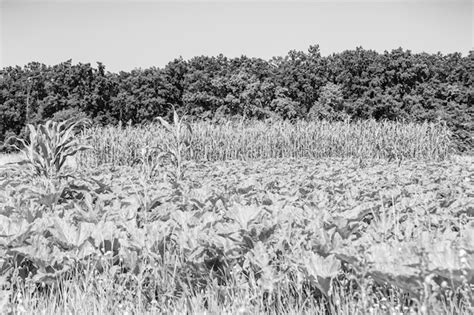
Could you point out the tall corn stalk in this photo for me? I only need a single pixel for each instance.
(178, 142)
(49, 145)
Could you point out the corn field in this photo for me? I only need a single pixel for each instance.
(289, 235)
(264, 140)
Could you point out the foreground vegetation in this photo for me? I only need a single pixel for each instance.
(169, 235)
(276, 236)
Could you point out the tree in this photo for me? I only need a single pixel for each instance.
(330, 105)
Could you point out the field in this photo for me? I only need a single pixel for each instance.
(137, 226)
(274, 139)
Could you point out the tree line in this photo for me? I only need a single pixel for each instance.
(354, 84)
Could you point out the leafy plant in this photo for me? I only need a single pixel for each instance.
(180, 133)
(49, 146)
(149, 160)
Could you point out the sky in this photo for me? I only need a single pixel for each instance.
(139, 34)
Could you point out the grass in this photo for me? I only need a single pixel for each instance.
(98, 294)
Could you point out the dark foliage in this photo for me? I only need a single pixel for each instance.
(354, 84)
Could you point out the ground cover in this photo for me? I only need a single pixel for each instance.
(345, 236)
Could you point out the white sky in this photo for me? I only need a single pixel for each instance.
(137, 33)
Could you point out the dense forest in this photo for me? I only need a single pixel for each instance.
(354, 84)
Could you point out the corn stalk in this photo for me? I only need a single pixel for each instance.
(49, 145)
(180, 132)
